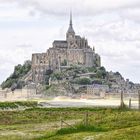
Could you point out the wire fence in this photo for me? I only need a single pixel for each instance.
(30, 93)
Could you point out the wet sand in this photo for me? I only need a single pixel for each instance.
(63, 101)
(86, 103)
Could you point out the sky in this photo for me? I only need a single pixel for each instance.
(111, 26)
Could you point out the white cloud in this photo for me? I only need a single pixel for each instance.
(81, 7)
(55, 6)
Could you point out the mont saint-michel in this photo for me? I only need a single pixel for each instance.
(69, 70)
(74, 50)
(70, 67)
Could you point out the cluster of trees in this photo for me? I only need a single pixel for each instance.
(84, 81)
(73, 71)
(13, 81)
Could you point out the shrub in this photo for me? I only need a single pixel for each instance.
(84, 81)
(19, 72)
(92, 69)
(101, 73)
(57, 75)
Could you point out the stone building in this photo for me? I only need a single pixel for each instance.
(75, 50)
(97, 90)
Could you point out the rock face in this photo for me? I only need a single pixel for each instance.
(64, 53)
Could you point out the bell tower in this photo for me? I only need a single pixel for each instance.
(70, 35)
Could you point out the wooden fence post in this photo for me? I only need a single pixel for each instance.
(130, 103)
(139, 99)
(122, 102)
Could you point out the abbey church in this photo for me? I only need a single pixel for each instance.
(74, 50)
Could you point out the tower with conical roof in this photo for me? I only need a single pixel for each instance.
(70, 35)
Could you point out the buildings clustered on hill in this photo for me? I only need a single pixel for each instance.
(75, 50)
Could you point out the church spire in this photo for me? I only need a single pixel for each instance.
(70, 29)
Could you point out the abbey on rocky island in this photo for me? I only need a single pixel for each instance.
(64, 53)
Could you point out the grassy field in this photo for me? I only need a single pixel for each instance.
(44, 124)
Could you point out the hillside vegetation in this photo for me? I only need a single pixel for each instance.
(14, 80)
(63, 81)
(67, 79)
(72, 75)
(44, 124)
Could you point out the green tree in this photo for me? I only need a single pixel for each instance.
(101, 73)
(19, 72)
(84, 81)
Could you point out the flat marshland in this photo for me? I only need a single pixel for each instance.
(82, 123)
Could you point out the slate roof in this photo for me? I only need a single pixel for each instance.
(60, 42)
(78, 37)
